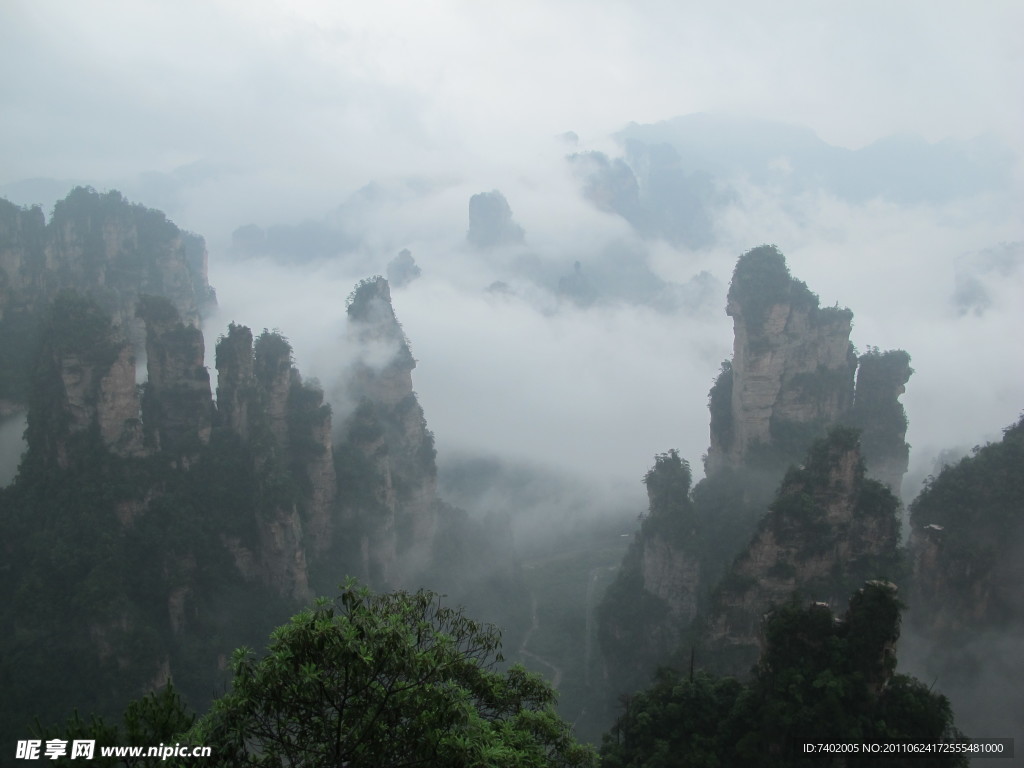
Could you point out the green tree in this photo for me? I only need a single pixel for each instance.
(394, 679)
(819, 679)
(156, 718)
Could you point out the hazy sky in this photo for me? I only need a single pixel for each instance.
(272, 112)
(321, 88)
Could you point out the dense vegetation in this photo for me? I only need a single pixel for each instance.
(761, 279)
(820, 679)
(366, 679)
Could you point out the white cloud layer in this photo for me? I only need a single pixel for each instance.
(224, 113)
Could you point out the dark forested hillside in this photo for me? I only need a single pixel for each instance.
(821, 678)
(152, 529)
(966, 609)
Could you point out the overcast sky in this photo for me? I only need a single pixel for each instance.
(273, 112)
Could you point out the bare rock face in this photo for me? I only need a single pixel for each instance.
(655, 597)
(236, 380)
(274, 374)
(118, 408)
(793, 374)
(90, 384)
(793, 364)
(388, 431)
(102, 246)
(828, 530)
(283, 562)
(22, 238)
(877, 412)
(287, 429)
(178, 403)
(673, 575)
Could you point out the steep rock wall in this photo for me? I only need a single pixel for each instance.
(178, 402)
(793, 365)
(388, 431)
(102, 246)
(829, 529)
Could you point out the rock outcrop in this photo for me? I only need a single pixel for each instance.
(878, 413)
(97, 245)
(792, 369)
(102, 246)
(286, 428)
(490, 221)
(793, 374)
(828, 530)
(403, 269)
(89, 377)
(966, 614)
(177, 407)
(790, 380)
(388, 435)
(652, 603)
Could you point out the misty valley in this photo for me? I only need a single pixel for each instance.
(201, 544)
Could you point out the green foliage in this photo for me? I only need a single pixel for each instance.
(676, 723)
(819, 680)
(876, 411)
(977, 503)
(273, 355)
(20, 334)
(393, 679)
(720, 406)
(78, 325)
(632, 623)
(157, 311)
(761, 280)
(358, 301)
(668, 483)
(157, 718)
(668, 490)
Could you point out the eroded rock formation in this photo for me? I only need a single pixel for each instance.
(792, 369)
(490, 221)
(102, 246)
(829, 529)
(88, 377)
(177, 406)
(388, 433)
(790, 380)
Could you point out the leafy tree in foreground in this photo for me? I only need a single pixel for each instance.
(385, 680)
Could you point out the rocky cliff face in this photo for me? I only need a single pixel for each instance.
(793, 374)
(286, 428)
(793, 365)
(646, 612)
(878, 413)
(172, 528)
(790, 379)
(828, 530)
(89, 376)
(388, 432)
(97, 245)
(177, 407)
(102, 246)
